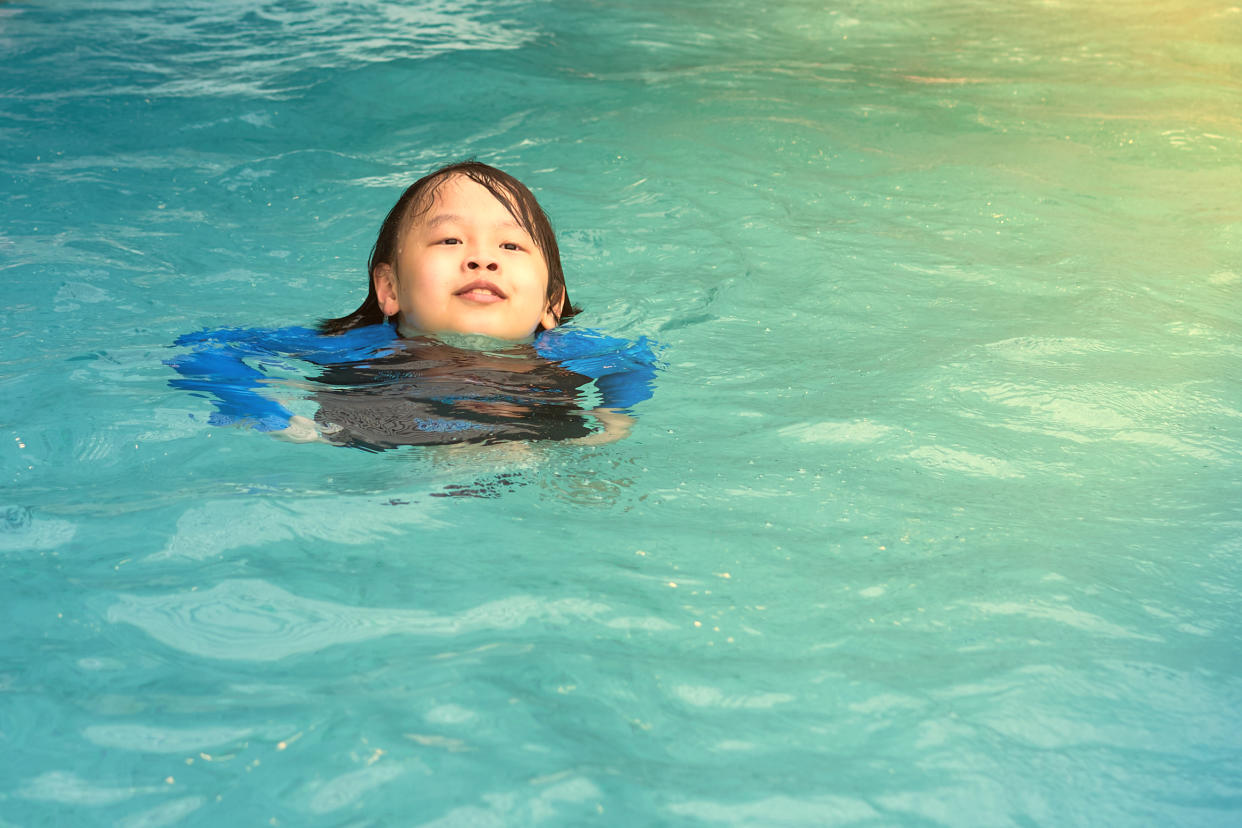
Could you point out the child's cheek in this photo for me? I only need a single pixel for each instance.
(441, 254)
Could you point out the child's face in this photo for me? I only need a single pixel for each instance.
(466, 266)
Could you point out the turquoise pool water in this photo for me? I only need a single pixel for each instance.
(933, 518)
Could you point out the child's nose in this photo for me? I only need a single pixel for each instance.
(481, 263)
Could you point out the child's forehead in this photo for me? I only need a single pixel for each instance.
(457, 187)
(444, 200)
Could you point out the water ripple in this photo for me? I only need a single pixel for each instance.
(69, 788)
(163, 739)
(853, 431)
(780, 810)
(199, 50)
(704, 696)
(348, 788)
(1068, 616)
(252, 620)
(20, 530)
(215, 527)
(166, 814)
(949, 459)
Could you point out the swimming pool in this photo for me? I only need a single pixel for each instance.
(933, 518)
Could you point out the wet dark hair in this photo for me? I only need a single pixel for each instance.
(417, 200)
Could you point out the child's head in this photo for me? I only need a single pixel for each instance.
(465, 249)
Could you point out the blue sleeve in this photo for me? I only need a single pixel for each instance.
(221, 366)
(624, 372)
(232, 386)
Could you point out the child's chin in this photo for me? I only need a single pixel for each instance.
(508, 333)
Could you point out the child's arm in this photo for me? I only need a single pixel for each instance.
(220, 366)
(616, 427)
(624, 373)
(215, 368)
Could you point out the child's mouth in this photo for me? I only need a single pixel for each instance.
(482, 292)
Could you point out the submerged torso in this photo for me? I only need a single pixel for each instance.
(428, 393)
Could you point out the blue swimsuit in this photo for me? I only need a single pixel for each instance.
(376, 390)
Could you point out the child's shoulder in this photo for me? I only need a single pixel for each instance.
(294, 340)
(572, 342)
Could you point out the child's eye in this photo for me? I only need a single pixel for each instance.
(450, 241)
(511, 246)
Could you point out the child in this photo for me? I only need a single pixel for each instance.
(465, 250)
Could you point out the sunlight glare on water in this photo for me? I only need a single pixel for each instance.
(932, 519)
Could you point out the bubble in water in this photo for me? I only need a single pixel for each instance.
(14, 518)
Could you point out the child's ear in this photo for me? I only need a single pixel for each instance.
(385, 281)
(552, 314)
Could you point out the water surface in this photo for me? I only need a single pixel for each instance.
(933, 517)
